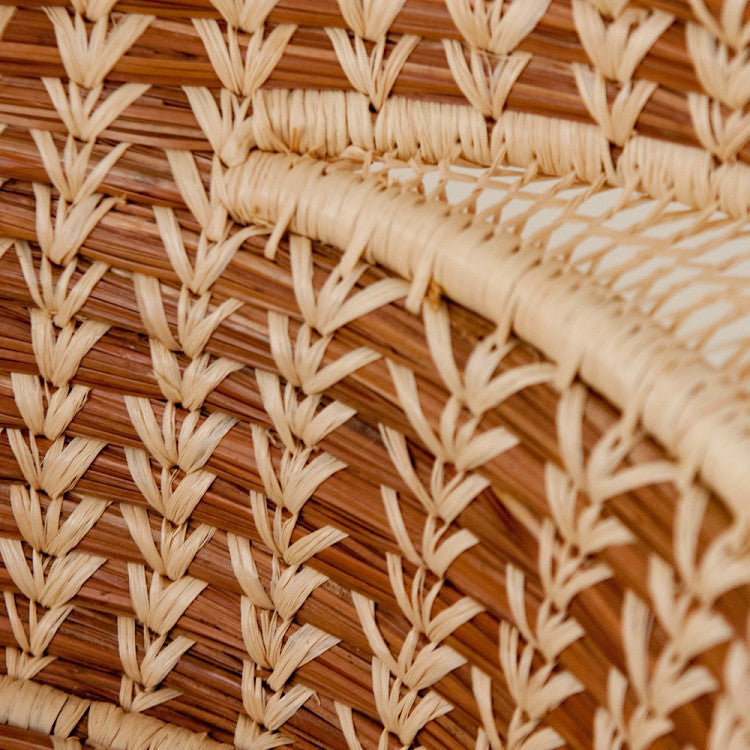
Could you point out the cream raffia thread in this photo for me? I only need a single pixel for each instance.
(48, 402)
(458, 447)
(420, 668)
(48, 406)
(266, 616)
(338, 124)
(293, 410)
(625, 360)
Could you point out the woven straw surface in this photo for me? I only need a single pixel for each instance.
(375, 374)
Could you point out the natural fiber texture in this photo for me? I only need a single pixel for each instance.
(376, 374)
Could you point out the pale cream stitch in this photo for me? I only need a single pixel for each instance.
(42, 709)
(151, 309)
(457, 444)
(432, 132)
(660, 688)
(497, 26)
(398, 681)
(565, 567)
(370, 73)
(356, 231)
(195, 325)
(158, 611)
(260, 58)
(488, 83)
(187, 451)
(72, 226)
(534, 695)
(597, 475)
(55, 298)
(211, 258)
(585, 534)
(656, 172)
(618, 120)
(78, 111)
(723, 136)
(47, 533)
(443, 502)
(617, 50)
(478, 389)
(294, 409)
(55, 572)
(370, 19)
(60, 351)
(187, 448)
(568, 541)
(723, 77)
(723, 566)
(192, 386)
(62, 470)
(59, 342)
(89, 57)
(730, 28)
(674, 172)
(520, 734)
(159, 604)
(79, 208)
(497, 29)
(556, 147)
(682, 604)
(331, 308)
(729, 184)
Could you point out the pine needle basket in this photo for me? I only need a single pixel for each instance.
(375, 374)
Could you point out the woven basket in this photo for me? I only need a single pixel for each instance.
(375, 374)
